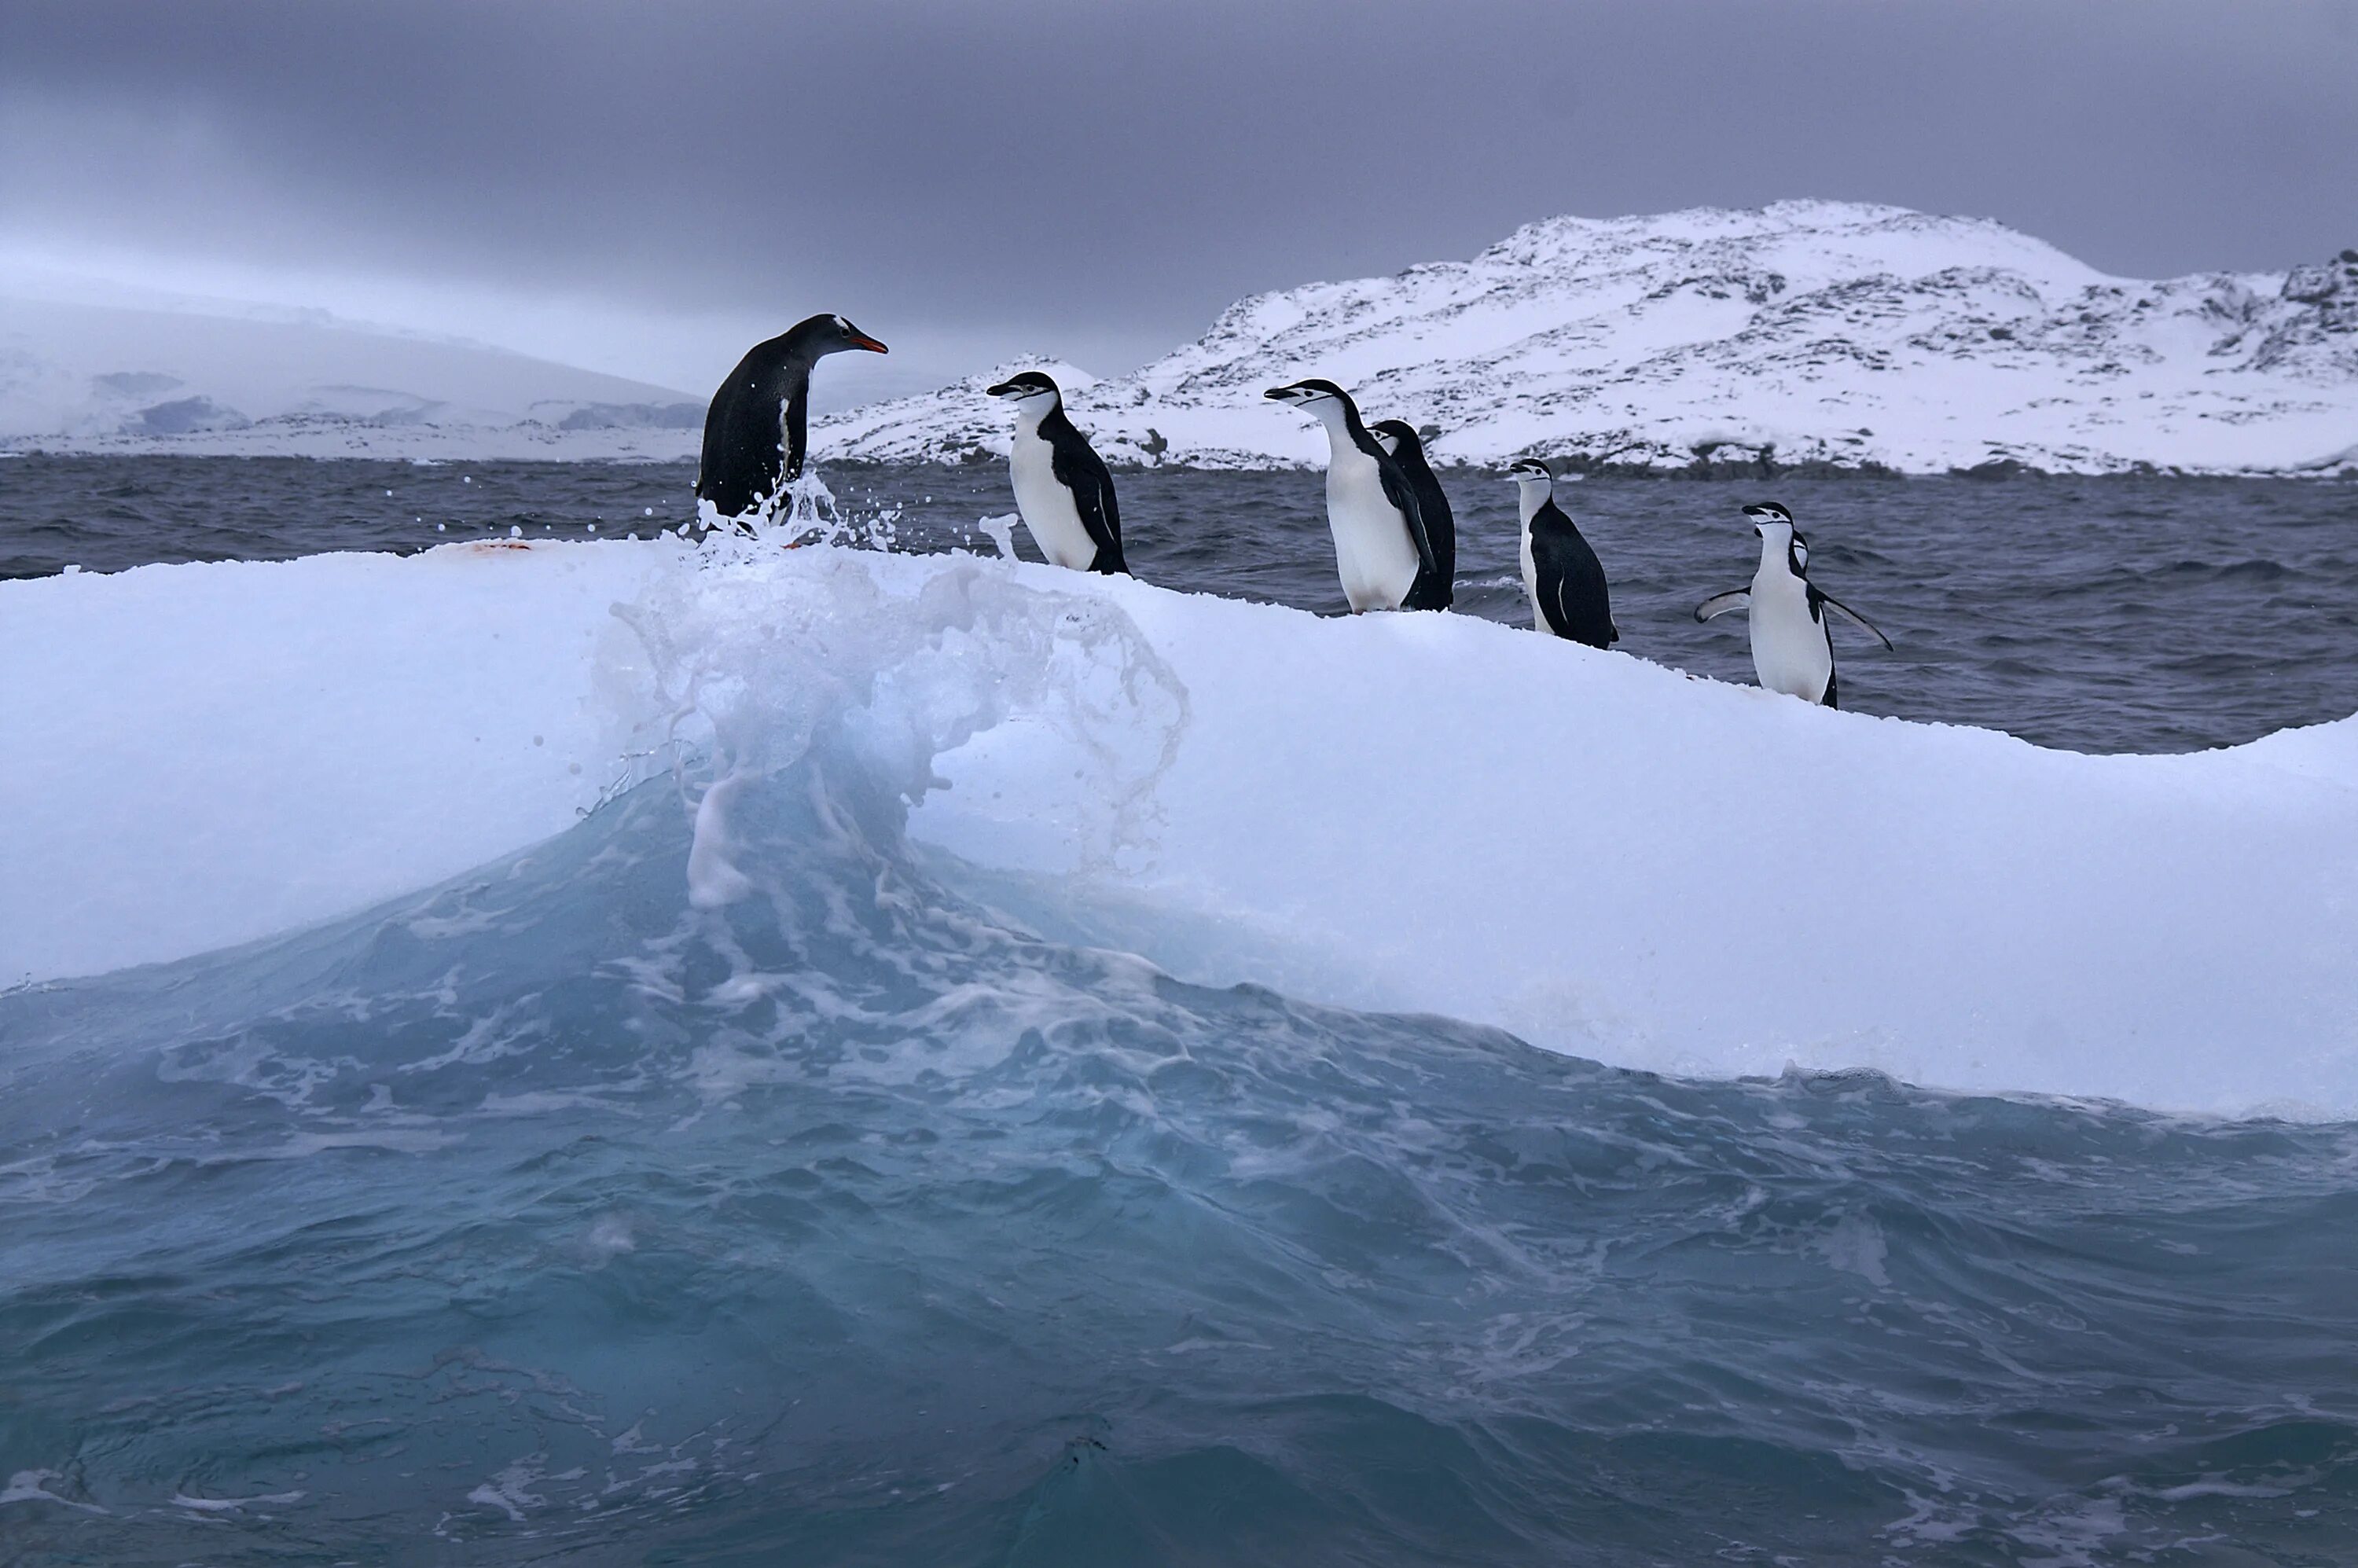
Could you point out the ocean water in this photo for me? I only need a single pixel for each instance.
(2116, 614)
(545, 1216)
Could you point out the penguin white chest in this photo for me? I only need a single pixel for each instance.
(1790, 652)
(1046, 505)
(1373, 553)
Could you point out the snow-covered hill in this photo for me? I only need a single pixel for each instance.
(1805, 332)
(79, 376)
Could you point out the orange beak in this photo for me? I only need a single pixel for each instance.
(862, 340)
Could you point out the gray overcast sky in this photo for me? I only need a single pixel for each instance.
(639, 187)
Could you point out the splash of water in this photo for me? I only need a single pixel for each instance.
(760, 655)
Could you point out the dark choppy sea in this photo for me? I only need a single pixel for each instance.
(500, 1224)
(2117, 614)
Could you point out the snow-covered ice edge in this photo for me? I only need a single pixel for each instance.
(1425, 812)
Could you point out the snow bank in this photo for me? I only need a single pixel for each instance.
(204, 754)
(1424, 811)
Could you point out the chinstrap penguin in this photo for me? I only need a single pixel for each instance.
(1792, 650)
(1561, 572)
(1061, 486)
(1398, 438)
(1380, 550)
(758, 424)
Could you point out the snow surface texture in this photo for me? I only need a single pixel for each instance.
(1430, 812)
(92, 377)
(1807, 331)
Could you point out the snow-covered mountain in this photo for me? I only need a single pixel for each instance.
(1813, 332)
(79, 376)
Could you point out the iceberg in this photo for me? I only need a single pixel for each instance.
(1424, 813)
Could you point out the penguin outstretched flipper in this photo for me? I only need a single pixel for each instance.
(1719, 605)
(1821, 600)
(1793, 645)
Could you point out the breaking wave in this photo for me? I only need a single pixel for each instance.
(731, 1178)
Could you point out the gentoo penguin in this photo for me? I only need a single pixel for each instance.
(1400, 440)
(1563, 575)
(1380, 549)
(1791, 651)
(1061, 485)
(755, 431)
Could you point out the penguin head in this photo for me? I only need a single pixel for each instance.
(818, 335)
(1397, 436)
(1316, 398)
(1775, 527)
(1028, 390)
(1531, 471)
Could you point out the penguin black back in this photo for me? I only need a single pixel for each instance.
(1079, 469)
(757, 426)
(1573, 594)
(1435, 589)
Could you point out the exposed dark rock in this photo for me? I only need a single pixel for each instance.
(634, 416)
(184, 417)
(137, 383)
(1997, 467)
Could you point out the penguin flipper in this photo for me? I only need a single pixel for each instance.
(1565, 622)
(1552, 608)
(1820, 597)
(1076, 466)
(1719, 605)
(1402, 495)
